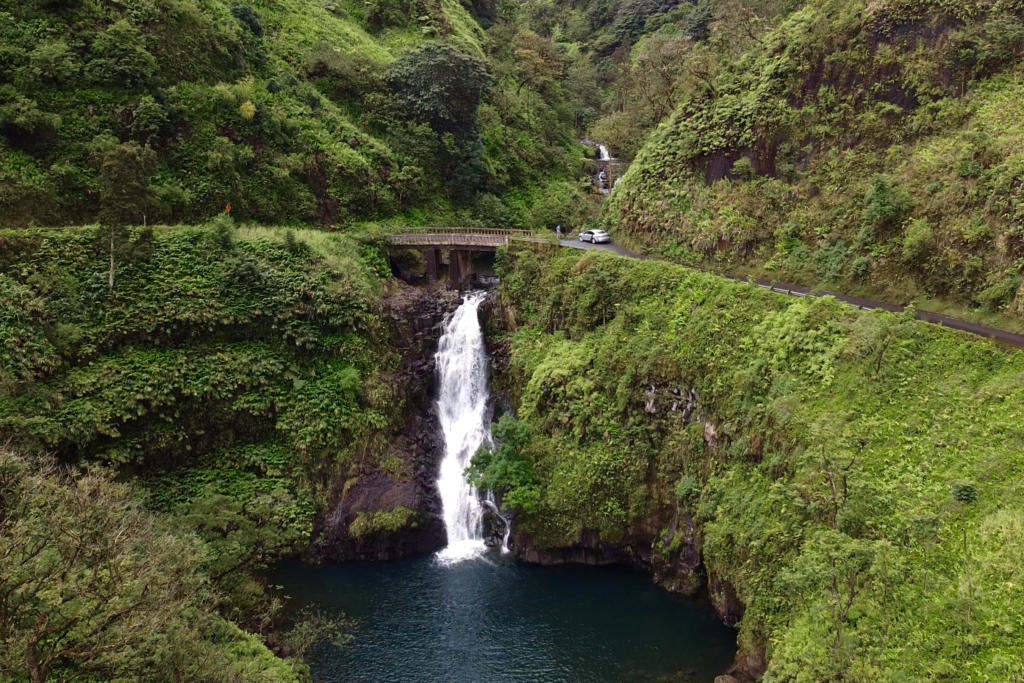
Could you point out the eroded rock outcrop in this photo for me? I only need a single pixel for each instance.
(388, 507)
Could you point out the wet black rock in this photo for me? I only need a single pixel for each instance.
(495, 526)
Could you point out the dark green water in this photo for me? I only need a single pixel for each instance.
(491, 619)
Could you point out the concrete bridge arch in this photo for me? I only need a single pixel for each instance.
(463, 246)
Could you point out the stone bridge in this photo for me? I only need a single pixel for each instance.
(462, 245)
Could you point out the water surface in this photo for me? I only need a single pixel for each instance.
(492, 619)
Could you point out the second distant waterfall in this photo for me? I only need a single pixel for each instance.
(462, 408)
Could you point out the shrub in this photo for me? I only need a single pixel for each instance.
(507, 469)
(688, 490)
(743, 169)
(343, 74)
(294, 245)
(861, 267)
(248, 110)
(885, 208)
(999, 294)
(381, 522)
(247, 15)
(829, 261)
(383, 14)
(917, 241)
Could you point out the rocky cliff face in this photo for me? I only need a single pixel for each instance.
(390, 508)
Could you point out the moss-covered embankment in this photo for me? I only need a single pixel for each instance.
(258, 387)
(846, 485)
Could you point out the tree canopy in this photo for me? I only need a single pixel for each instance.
(441, 86)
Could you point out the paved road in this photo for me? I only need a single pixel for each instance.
(1001, 336)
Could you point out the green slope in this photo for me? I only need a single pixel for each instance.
(227, 377)
(288, 111)
(812, 458)
(871, 147)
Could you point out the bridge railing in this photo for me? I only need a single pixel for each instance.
(446, 236)
(456, 230)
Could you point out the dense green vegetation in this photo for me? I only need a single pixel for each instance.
(95, 587)
(871, 147)
(177, 404)
(863, 502)
(228, 378)
(290, 112)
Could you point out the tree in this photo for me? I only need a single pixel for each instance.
(966, 494)
(90, 584)
(486, 11)
(125, 194)
(441, 86)
(243, 537)
(122, 58)
(248, 16)
(658, 70)
(698, 24)
(843, 575)
(22, 123)
(383, 14)
(149, 121)
(661, 70)
(538, 63)
(53, 62)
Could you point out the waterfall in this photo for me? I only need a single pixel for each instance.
(604, 153)
(462, 407)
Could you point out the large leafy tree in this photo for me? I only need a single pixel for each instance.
(442, 87)
(90, 584)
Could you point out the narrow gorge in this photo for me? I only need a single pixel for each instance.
(473, 611)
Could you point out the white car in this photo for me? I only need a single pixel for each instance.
(595, 237)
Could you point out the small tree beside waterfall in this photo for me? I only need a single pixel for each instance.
(506, 469)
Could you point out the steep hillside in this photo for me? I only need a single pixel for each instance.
(632, 61)
(873, 147)
(241, 383)
(852, 505)
(296, 111)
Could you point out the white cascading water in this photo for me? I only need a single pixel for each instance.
(462, 407)
(604, 153)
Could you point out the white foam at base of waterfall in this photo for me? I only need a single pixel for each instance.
(462, 409)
